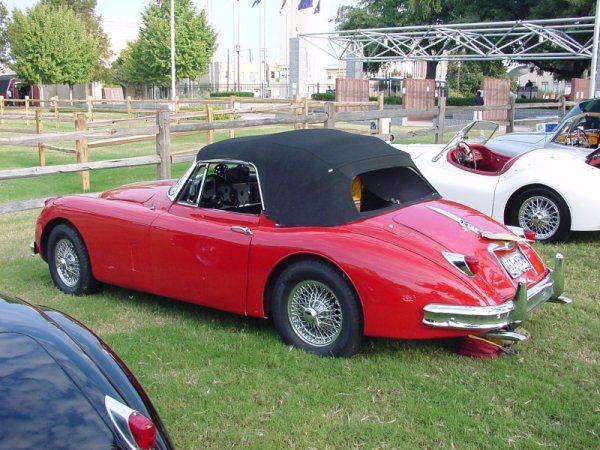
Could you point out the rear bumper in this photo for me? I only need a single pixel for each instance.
(33, 248)
(510, 313)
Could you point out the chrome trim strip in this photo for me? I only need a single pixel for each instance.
(466, 226)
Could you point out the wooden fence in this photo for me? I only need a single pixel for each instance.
(300, 113)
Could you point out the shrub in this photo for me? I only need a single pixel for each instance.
(324, 96)
(232, 93)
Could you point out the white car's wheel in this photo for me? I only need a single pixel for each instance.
(543, 211)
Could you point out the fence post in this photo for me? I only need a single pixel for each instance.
(129, 106)
(81, 147)
(295, 101)
(511, 115)
(231, 116)
(39, 129)
(27, 109)
(56, 114)
(330, 111)
(305, 112)
(163, 145)
(90, 107)
(1, 109)
(210, 135)
(441, 122)
(380, 104)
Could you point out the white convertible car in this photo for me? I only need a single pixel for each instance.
(552, 190)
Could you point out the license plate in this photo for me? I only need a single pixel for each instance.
(515, 263)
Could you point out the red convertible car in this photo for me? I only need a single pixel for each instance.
(333, 235)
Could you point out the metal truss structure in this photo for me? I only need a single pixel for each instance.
(566, 38)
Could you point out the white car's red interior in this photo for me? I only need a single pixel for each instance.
(487, 162)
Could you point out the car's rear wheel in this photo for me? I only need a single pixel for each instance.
(69, 261)
(314, 308)
(543, 211)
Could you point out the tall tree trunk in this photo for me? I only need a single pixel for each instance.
(431, 70)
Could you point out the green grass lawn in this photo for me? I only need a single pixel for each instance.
(225, 381)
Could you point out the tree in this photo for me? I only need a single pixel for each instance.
(464, 78)
(3, 37)
(148, 59)
(50, 45)
(84, 10)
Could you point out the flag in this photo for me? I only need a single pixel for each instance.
(256, 2)
(305, 4)
(282, 5)
(338, 16)
(317, 8)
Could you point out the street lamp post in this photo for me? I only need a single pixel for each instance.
(237, 49)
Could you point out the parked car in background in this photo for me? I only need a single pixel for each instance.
(62, 387)
(270, 226)
(549, 190)
(513, 144)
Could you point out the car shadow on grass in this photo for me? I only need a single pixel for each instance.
(157, 309)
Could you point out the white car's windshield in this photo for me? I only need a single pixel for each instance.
(476, 132)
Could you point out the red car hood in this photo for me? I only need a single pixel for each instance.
(138, 192)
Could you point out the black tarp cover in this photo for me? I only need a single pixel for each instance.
(306, 175)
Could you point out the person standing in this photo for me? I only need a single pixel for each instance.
(478, 102)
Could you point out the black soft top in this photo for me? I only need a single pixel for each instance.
(306, 175)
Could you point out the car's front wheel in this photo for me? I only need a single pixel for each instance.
(543, 211)
(314, 308)
(69, 262)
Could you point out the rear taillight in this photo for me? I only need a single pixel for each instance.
(472, 264)
(529, 234)
(136, 429)
(143, 430)
(469, 265)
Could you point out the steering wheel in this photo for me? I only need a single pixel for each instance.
(580, 139)
(467, 157)
(217, 192)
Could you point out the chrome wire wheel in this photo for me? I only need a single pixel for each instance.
(315, 313)
(541, 215)
(67, 262)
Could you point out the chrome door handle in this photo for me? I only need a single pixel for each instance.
(243, 230)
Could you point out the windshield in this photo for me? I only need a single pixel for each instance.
(478, 132)
(581, 130)
(584, 106)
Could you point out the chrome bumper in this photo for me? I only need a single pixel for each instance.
(512, 312)
(33, 248)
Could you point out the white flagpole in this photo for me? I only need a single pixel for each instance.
(173, 53)
(594, 88)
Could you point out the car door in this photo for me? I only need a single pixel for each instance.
(200, 254)
(460, 184)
